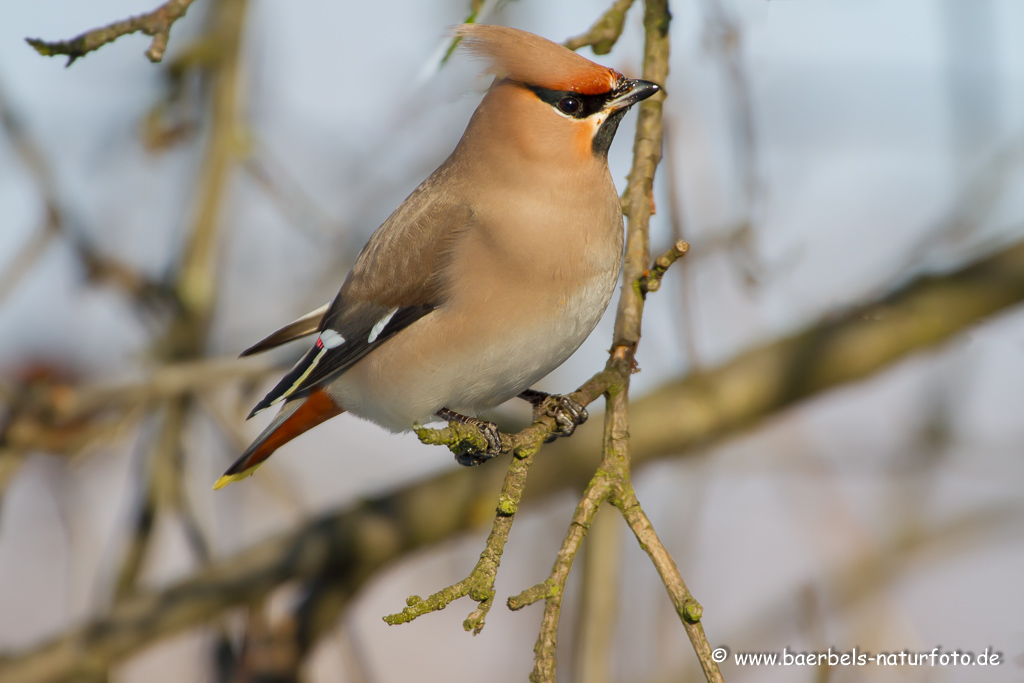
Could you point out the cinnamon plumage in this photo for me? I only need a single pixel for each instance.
(489, 275)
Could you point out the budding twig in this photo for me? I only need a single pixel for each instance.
(651, 280)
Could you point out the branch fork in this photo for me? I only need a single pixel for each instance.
(479, 585)
(610, 483)
(651, 279)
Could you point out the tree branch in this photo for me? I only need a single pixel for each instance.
(350, 545)
(552, 590)
(687, 607)
(846, 347)
(605, 32)
(458, 437)
(156, 24)
(98, 267)
(44, 413)
(479, 585)
(612, 479)
(613, 473)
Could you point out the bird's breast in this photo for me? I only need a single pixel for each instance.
(551, 227)
(526, 282)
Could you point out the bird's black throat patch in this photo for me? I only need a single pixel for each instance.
(606, 133)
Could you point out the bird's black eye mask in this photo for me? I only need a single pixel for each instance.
(579, 106)
(572, 103)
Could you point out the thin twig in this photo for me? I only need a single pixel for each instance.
(687, 607)
(26, 258)
(299, 207)
(615, 464)
(479, 585)
(196, 281)
(99, 268)
(138, 543)
(724, 35)
(605, 32)
(163, 491)
(156, 24)
(651, 280)
(677, 219)
(552, 590)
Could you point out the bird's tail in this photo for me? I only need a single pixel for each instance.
(296, 417)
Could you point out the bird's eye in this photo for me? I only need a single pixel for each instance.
(569, 105)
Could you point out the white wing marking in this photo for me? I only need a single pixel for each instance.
(331, 339)
(381, 324)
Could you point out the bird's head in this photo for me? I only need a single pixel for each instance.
(548, 98)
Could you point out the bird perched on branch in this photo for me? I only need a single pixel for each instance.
(488, 276)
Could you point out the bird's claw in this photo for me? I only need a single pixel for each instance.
(467, 449)
(568, 413)
(469, 456)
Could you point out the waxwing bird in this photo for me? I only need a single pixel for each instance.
(488, 276)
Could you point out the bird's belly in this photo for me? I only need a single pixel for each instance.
(452, 359)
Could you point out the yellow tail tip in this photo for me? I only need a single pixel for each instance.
(238, 476)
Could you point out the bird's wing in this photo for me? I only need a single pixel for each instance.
(303, 327)
(398, 278)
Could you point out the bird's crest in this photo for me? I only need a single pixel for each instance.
(536, 61)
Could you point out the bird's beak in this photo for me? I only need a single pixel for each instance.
(630, 92)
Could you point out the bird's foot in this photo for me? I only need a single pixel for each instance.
(568, 413)
(470, 454)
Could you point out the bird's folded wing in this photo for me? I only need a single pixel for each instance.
(398, 278)
(303, 327)
(332, 353)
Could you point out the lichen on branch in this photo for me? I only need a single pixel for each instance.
(523, 446)
(479, 585)
(459, 437)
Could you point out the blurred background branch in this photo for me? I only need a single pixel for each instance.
(605, 32)
(99, 268)
(351, 545)
(156, 24)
